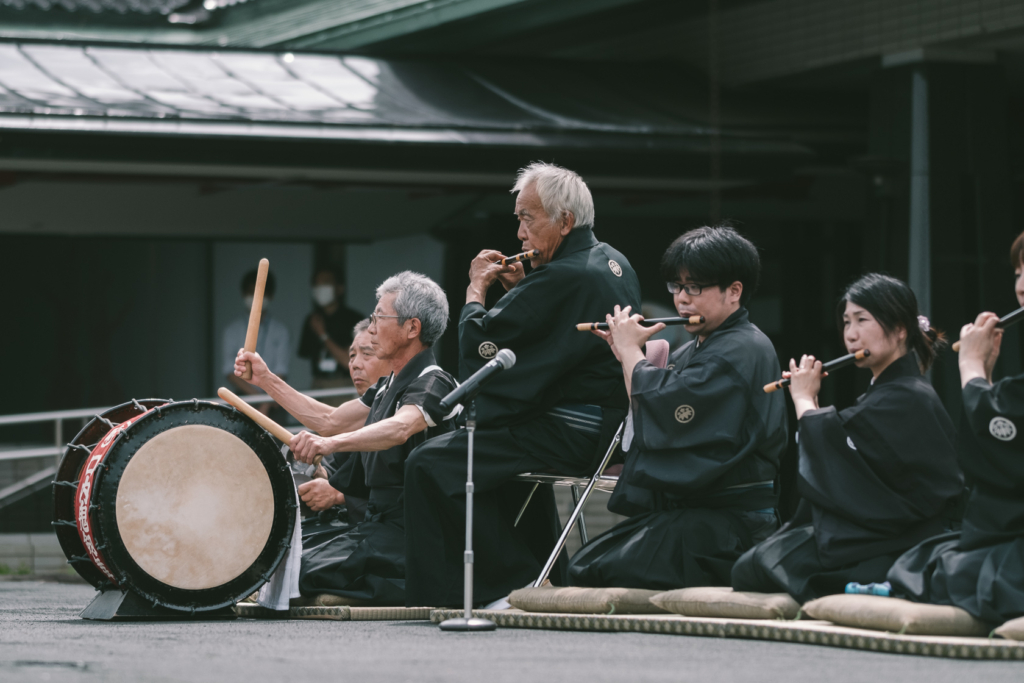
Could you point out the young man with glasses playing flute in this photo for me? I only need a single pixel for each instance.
(704, 440)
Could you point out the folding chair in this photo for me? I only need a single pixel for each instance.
(657, 354)
(597, 481)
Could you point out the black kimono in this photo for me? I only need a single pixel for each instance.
(981, 567)
(552, 411)
(875, 479)
(699, 473)
(365, 560)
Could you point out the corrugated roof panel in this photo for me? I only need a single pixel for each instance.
(101, 6)
(202, 75)
(137, 70)
(271, 79)
(74, 69)
(330, 74)
(20, 75)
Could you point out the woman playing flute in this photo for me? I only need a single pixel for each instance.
(981, 567)
(874, 478)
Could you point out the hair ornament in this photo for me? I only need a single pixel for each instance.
(923, 323)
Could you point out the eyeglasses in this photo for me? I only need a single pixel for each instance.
(691, 290)
(374, 317)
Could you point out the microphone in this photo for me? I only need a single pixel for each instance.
(471, 387)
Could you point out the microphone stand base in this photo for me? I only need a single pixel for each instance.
(464, 624)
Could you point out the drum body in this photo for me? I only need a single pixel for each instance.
(190, 505)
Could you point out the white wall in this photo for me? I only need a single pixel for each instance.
(292, 266)
(368, 265)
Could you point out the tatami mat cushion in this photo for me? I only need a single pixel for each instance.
(576, 600)
(251, 611)
(895, 615)
(390, 613)
(1011, 630)
(718, 601)
(337, 613)
(807, 632)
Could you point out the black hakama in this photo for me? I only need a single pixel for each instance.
(981, 567)
(554, 411)
(875, 479)
(365, 561)
(699, 472)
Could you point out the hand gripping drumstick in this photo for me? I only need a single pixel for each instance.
(692, 320)
(840, 362)
(1004, 322)
(262, 420)
(254, 315)
(533, 253)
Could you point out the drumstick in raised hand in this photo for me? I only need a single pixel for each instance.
(254, 315)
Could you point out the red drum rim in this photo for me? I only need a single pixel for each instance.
(83, 496)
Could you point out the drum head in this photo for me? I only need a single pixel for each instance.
(195, 507)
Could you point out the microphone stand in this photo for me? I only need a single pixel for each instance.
(468, 622)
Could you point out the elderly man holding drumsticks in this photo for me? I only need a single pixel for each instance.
(551, 411)
(366, 562)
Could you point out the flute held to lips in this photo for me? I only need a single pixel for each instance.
(692, 320)
(533, 253)
(840, 362)
(1004, 322)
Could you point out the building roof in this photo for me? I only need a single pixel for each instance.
(155, 90)
(100, 6)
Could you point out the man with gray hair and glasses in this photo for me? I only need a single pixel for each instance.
(554, 411)
(366, 563)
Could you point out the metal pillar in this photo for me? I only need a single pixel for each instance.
(920, 270)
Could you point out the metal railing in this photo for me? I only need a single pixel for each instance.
(41, 478)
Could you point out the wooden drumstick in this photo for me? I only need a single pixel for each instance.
(254, 315)
(256, 416)
(262, 420)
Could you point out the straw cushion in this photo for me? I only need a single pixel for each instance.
(715, 601)
(575, 600)
(1012, 630)
(895, 615)
(325, 600)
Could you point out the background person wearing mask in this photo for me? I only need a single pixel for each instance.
(327, 332)
(273, 344)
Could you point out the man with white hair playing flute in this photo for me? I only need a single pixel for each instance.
(553, 411)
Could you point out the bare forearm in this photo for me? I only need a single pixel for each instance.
(379, 436)
(310, 412)
(803, 404)
(971, 369)
(630, 358)
(476, 293)
(348, 417)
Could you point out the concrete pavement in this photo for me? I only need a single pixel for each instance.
(42, 639)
